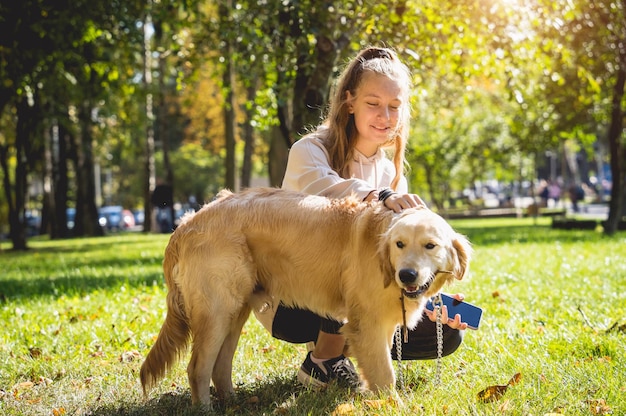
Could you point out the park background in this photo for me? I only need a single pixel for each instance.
(99, 100)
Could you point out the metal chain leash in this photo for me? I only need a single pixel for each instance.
(403, 330)
(437, 303)
(398, 336)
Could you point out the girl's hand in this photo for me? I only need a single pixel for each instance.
(398, 202)
(456, 323)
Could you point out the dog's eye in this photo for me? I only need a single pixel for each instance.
(400, 244)
(429, 246)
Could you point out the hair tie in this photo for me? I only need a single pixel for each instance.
(385, 193)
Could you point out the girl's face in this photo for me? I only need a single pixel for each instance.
(376, 106)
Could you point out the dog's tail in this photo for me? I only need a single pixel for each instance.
(174, 335)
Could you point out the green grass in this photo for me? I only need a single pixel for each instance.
(80, 315)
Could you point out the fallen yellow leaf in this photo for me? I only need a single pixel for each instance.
(24, 385)
(492, 393)
(515, 379)
(58, 412)
(599, 407)
(343, 409)
(375, 404)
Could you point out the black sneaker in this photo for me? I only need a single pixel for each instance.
(339, 370)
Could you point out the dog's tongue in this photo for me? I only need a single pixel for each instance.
(411, 289)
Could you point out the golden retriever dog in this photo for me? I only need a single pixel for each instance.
(342, 258)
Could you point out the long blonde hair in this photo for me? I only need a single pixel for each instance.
(340, 138)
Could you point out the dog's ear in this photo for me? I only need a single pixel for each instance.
(385, 262)
(463, 254)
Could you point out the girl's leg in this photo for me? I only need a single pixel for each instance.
(297, 326)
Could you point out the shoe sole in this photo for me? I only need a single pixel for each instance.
(306, 380)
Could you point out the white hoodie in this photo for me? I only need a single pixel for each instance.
(309, 171)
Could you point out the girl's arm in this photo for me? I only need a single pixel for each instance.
(309, 171)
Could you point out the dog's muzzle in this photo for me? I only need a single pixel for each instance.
(408, 277)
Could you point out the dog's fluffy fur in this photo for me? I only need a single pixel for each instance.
(339, 258)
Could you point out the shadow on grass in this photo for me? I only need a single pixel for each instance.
(278, 396)
(69, 286)
(78, 267)
(42, 244)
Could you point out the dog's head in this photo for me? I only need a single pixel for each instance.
(421, 252)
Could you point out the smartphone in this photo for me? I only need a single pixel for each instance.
(469, 313)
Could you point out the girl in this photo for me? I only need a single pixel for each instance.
(345, 156)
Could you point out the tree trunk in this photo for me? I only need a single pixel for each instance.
(86, 209)
(54, 218)
(278, 154)
(6, 180)
(17, 201)
(149, 169)
(617, 153)
(229, 99)
(16, 193)
(229, 127)
(48, 220)
(162, 131)
(248, 138)
(312, 87)
(149, 179)
(432, 188)
(162, 134)
(60, 177)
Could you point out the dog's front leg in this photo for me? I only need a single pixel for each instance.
(370, 346)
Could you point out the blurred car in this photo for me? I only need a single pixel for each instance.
(128, 219)
(115, 218)
(33, 223)
(70, 213)
(139, 216)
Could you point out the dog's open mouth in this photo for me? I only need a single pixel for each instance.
(415, 291)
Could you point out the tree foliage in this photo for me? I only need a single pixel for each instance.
(497, 83)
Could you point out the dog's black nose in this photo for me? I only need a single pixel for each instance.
(408, 275)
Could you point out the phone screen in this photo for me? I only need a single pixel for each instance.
(469, 313)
